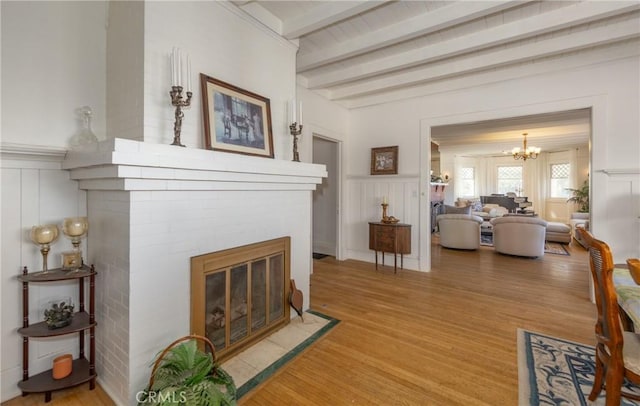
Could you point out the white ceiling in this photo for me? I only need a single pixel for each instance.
(358, 53)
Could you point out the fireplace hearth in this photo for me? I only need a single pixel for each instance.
(240, 294)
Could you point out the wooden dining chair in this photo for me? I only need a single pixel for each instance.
(617, 351)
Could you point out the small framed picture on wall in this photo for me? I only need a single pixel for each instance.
(384, 160)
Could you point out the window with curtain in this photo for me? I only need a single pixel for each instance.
(559, 181)
(509, 179)
(468, 182)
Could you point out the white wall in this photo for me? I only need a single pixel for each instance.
(225, 44)
(125, 69)
(615, 144)
(53, 62)
(321, 117)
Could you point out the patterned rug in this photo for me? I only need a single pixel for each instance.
(549, 247)
(553, 371)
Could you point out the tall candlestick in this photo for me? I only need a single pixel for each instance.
(292, 111)
(188, 73)
(179, 64)
(172, 58)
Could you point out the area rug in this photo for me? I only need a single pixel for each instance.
(555, 248)
(256, 364)
(549, 247)
(317, 255)
(553, 371)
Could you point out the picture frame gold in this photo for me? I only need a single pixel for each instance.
(71, 260)
(384, 160)
(235, 120)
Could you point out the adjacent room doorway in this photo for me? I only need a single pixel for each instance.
(325, 198)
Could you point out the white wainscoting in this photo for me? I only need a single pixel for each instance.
(35, 190)
(622, 214)
(363, 204)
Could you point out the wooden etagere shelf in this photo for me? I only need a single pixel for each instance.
(83, 369)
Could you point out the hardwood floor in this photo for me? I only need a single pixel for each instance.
(77, 396)
(447, 337)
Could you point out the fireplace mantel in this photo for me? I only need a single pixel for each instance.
(119, 164)
(151, 209)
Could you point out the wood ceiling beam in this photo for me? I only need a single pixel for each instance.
(575, 14)
(428, 22)
(324, 15)
(592, 56)
(493, 59)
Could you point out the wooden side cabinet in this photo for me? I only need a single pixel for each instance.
(392, 238)
(83, 369)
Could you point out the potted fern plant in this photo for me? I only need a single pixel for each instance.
(580, 196)
(184, 375)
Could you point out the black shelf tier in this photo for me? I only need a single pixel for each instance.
(44, 382)
(80, 321)
(57, 274)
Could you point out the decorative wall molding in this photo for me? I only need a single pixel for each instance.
(615, 172)
(10, 150)
(23, 156)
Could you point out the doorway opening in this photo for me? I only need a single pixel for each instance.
(326, 198)
(478, 141)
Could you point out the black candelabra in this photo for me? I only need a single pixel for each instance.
(296, 130)
(178, 101)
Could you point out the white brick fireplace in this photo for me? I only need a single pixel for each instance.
(151, 208)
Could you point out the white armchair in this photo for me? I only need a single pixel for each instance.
(579, 220)
(461, 231)
(519, 235)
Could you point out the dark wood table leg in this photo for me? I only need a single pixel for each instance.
(376, 254)
(401, 261)
(395, 263)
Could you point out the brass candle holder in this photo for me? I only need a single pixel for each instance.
(44, 235)
(387, 219)
(296, 130)
(178, 101)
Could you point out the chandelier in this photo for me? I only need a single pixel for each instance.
(526, 152)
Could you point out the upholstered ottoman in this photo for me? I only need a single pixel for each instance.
(558, 232)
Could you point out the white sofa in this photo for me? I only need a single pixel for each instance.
(487, 211)
(519, 235)
(460, 231)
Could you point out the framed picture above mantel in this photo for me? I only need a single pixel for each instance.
(235, 120)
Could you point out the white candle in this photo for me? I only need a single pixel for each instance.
(171, 68)
(300, 114)
(292, 111)
(179, 67)
(188, 73)
(384, 199)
